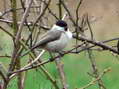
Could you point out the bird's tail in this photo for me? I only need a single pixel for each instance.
(28, 51)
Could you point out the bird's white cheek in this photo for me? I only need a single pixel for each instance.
(69, 34)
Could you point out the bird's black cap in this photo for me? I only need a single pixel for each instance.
(61, 23)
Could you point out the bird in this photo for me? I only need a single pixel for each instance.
(56, 39)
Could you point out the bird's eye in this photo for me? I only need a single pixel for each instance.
(65, 29)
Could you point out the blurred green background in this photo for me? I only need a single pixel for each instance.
(76, 68)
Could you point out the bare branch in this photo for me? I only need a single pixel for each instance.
(96, 43)
(96, 79)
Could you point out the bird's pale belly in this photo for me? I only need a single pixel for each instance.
(57, 45)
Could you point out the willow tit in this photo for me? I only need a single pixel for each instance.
(56, 39)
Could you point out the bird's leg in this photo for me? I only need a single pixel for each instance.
(61, 53)
(51, 59)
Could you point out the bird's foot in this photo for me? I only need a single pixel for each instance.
(61, 53)
(51, 59)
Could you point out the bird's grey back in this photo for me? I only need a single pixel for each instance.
(51, 35)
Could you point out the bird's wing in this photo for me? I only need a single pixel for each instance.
(48, 37)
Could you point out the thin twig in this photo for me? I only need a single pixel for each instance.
(23, 20)
(95, 69)
(25, 24)
(97, 43)
(96, 79)
(41, 14)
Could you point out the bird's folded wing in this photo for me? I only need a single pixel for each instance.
(48, 37)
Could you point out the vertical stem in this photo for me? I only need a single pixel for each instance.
(4, 5)
(14, 15)
(60, 9)
(19, 77)
(95, 71)
(15, 60)
(61, 73)
(15, 29)
(5, 85)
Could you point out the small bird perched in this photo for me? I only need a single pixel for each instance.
(56, 39)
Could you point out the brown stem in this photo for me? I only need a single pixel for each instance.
(60, 68)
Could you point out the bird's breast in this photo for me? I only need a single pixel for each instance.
(58, 44)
